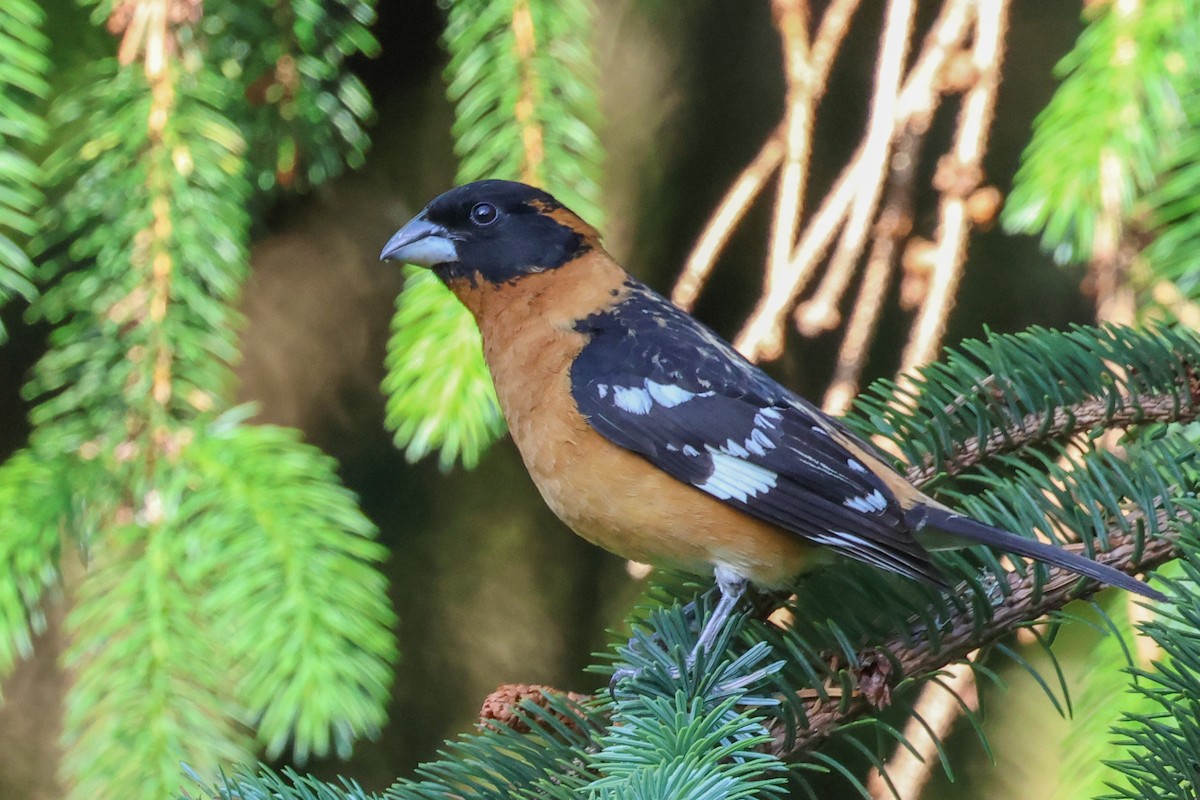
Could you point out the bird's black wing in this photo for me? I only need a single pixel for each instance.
(654, 381)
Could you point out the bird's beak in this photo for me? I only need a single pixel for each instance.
(420, 242)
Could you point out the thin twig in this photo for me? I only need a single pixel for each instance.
(870, 176)
(525, 43)
(934, 714)
(895, 222)
(828, 41)
(915, 106)
(725, 218)
(962, 172)
(747, 186)
(791, 19)
(923, 86)
(1108, 269)
(762, 335)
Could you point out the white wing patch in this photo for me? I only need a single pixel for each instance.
(734, 478)
(841, 539)
(668, 395)
(759, 443)
(868, 503)
(767, 417)
(633, 399)
(640, 399)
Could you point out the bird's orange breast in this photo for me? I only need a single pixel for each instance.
(608, 495)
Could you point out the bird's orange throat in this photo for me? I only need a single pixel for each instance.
(558, 297)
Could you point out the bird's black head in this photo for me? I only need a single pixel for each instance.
(491, 230)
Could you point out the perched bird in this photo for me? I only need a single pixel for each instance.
(649, 435)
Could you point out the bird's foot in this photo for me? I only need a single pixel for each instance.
(732, 588)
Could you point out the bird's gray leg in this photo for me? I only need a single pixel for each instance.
(732, 587)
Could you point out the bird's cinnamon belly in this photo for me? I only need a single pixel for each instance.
(641, 513)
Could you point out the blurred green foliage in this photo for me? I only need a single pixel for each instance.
(1102, 141)
(1118, 147)
(23, 48)
(231, 590)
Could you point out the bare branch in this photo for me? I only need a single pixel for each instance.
(895, 223)
(525, 38)
(791, 18)
(960, 173)
(762, 335)
(729, 213)
(812, 79)
(933, 717)
(870, 176)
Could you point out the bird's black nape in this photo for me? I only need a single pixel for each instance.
(503, 230)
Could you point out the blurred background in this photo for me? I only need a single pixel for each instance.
(488, 587)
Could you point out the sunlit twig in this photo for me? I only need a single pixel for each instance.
(936, 710)
(762, 335)
(729, 213)
(791, 19)
(960, 172)
(895, 222)
(870, 175)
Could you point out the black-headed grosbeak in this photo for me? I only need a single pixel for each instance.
(649, 435)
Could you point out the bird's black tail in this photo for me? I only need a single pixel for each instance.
(977, 532)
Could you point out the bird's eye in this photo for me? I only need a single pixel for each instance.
(484, 214)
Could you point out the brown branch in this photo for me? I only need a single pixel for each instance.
(761, 337)
(914, 107)
(939, 707)
(872, 171)
(964, 631)
(960, 173)
(724, 219)
(914, 655)
(895, 223)
(525, 44)
(747, 186)
(924, 86)
(1108, 268)
(1066, 421)
(791, 19)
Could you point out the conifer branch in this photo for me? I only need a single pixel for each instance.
(1064, 422)
(1027, 598)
